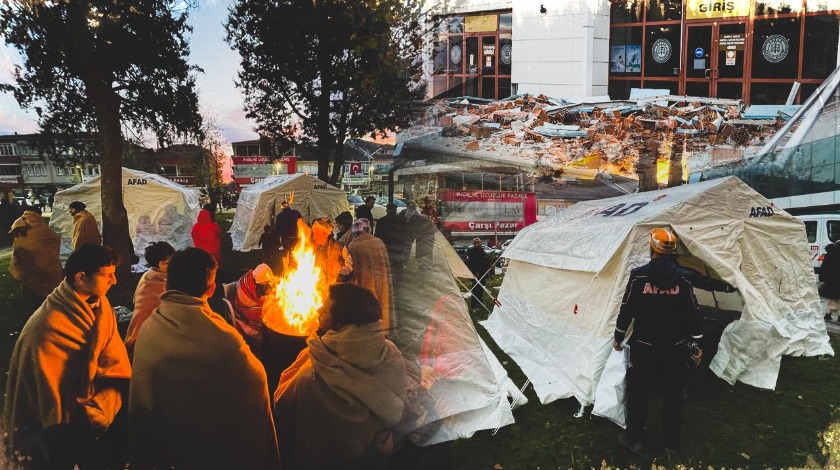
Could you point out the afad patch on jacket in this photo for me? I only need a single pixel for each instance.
(651, 289)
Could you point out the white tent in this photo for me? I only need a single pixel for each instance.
(258, 204)
(471, 390)
(563, 287)
(158, 209)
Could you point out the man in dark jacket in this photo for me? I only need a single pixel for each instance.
(392, 230)
(667, 328)
(365, 210)
(285, 225)
(478, 264)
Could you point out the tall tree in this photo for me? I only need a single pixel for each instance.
(101, 66)
(317, 72)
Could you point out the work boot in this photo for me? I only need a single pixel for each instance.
(635, 448)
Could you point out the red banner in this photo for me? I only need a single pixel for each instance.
(487, 211)
(184, 180)
(290, 162)
(355, 168)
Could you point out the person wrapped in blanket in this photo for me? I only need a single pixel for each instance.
(247, 300)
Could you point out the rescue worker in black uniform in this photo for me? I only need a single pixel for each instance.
(666, 333)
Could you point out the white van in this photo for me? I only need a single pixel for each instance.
(821, 229)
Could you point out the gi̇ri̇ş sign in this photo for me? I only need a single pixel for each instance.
(705, 9)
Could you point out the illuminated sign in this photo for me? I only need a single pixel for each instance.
(705, 9)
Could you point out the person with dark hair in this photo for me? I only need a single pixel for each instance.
(286, 227)
(35, 254)
(151, 286)
(207, 235)
(85, 229)
(371, 269)
(199, 398)
(348, 361)
(392, 230)
(69, 371)
(365, 211)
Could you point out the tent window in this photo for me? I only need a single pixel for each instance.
(834, 230)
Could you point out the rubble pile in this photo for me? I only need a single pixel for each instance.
(626, 137)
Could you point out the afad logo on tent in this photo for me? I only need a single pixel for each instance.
(622, 209)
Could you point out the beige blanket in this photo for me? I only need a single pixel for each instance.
(59, 361)
(35, 254)
(85, 229)
(199, 398)
(341, 398)
(372, 270)
(146, 298)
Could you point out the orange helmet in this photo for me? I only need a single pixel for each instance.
(663, 240)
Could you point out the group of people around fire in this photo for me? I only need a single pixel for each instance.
(190, 388)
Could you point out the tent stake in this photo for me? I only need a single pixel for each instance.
(581, 412)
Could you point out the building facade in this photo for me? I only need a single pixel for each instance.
(742, 49)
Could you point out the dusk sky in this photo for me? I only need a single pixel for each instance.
(209, 51)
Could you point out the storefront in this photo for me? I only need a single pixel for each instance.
(748, 49)
(473, 55)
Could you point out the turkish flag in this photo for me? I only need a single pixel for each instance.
(355, 168)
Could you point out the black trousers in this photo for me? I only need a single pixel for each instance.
(477, 295)
(667, 362)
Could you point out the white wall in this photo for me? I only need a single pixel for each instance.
(452, 7)
(564, 52)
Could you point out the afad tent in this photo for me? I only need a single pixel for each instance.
(158, 210)
(563, 288)
(466, 388)
(258, 204)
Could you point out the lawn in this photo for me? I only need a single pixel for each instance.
(795, 426)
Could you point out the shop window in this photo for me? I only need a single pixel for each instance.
(504, 88)
(806, 90)
(776, 48)
(662, 58)
(439, 87)
(664, 10)
(471, 87)
(620, 89)
(471, 56)
(505, 54)
(626, 45)
(506, 22)
(626, 11)
(456, 54)
(731, 90)
(778, 7)
(441, 47)
(455, 87)
(769, 93)
(820, 52)
(672, 87)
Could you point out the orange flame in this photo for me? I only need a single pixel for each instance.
(297, 296)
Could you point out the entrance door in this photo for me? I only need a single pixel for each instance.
(714, 60)
(481, 66)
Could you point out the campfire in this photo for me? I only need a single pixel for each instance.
(294, 309)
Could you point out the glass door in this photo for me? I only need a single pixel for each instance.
(488, 66)
(714, 60)
(698, 60)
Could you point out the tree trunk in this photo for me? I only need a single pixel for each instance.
(107, 109)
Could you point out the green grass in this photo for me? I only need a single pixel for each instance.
(795, 426)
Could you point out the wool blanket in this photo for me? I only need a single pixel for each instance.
(62, 362)
(146, 298)
(372, 270)
(85, 229)
(341, 398)
(199, 398)
(35, 254)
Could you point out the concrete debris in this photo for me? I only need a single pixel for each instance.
(625, 137)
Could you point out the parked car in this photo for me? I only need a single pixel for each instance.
(821, 230)
(383, 201)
